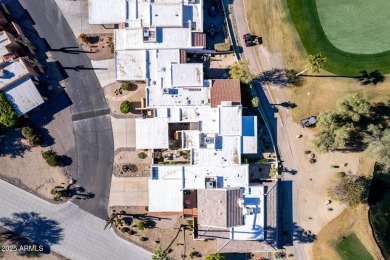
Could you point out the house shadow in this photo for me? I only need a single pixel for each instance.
(31, 225)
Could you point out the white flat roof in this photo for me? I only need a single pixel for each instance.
(152, 133)
(193, 176)
(249, 134)
(4, 41)
(227, 152)
(165, 195)
(187, 75)
(160, 67)
(23, 95)
(130, 65)
(184, 97)
(230, 121)
(12, 72)
(253, 228)
(106, 11)
(166, 38)
(167, 14)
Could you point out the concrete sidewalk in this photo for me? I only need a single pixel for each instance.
(67, 229)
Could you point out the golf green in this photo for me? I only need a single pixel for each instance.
(342, 60)
(356, 26)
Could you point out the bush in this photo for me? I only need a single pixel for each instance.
(146, 208)
(341, 174)
(51, 158)
(262, 161)
(142, 155)
(34, 139)
(312, 160)
(142, 239)
(194, 254)
(27, 131)
(125, 107)
(223, 46)
(307, 152)
(84, 38)
(127, 86)
(131, 232)
(141, 225)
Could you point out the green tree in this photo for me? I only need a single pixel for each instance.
(141, 225)
(160, 254)
(240, 70)
(330, 140)
(216, 256)
(255, 102)
(8, 115)
(315, 63)
(125, 107)
(353, 106)
(349, 189)
(379, 148)
(328, 120)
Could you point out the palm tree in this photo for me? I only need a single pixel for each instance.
(160, 254)
(113, 220)
(315, 63)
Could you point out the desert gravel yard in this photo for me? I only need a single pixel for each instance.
(24, 166)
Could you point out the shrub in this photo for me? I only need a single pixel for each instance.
(146, 208)
(142, 239)
(51, 158)
(34, 139)
(127, 86)
(141, 225)
(255, 102)
(131, 232)
(262, 161)
(312, 160)
(27, 131)
(223, 46)
(307, 152)
(172, 163)
(125, 107)
(193, 254)
(142, 155)
(341, 174)
(216, 256)
(84, 38)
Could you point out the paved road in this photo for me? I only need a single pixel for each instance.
(94, 148)
(276, 122)
(65, 228)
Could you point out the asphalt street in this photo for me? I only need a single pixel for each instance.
(94, 148)
(64, 228)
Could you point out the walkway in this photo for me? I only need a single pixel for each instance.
(67, 229)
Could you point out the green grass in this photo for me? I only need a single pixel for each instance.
(306, 20)
(350, 248)
(357, 26)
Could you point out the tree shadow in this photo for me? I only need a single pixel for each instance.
(303, 236)
(281, 77)
(373, 77)
(64, 160)
(11, 143)
(288, 105)
(71, 50)
(32, 225)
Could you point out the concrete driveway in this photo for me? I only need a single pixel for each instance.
(129, 191)
(105, 71)
(65, 228)
(124, 132)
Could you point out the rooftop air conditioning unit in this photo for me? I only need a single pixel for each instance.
(192, 1)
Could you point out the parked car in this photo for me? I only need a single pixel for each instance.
(248, 39)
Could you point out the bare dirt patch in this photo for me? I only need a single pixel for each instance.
(162, 231)
(115, 96)
(128, 164)
(24, 166)
(99, 46)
